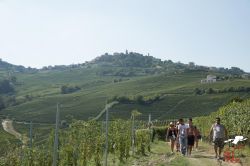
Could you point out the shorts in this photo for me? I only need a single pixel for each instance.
(172, 138)
(190, 140)
(219, 142)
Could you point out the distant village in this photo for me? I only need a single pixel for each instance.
(213, 78)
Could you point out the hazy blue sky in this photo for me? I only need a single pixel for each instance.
(38, 33)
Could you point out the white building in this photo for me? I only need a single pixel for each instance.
(209, 79)
(245, 76)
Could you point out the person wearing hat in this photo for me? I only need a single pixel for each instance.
(172, 135)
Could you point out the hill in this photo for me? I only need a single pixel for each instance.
(163, 89)
(7, 67)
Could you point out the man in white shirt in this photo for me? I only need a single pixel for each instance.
(182, 135)
(218, 133)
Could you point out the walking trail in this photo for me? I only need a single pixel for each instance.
(8, 127)
(204, 156)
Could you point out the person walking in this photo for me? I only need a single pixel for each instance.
(198, 137)
(218, 134)
(177, 144)
(172, 135)
(182, 135)
(191, 136)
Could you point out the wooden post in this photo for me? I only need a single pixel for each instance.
(55, 154)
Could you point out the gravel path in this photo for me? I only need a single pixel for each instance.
(8, 127)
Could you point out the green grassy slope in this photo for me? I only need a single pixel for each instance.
(176, 90)
(176, 106)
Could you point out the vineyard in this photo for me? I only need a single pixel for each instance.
(235, 116)
(84, 143)
(116, 141)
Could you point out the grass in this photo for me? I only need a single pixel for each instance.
(179, 161)
(40, 132)
(179, 101)
(159, 155)
(6, 141)
(176, 106)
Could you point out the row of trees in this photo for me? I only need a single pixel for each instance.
(139, 99)
(15, 68)
(200, 91)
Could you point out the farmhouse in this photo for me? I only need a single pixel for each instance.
(209, 79)
(245, 76)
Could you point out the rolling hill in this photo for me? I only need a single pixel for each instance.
(163, 89)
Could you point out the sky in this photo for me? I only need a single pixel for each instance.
(62, 32)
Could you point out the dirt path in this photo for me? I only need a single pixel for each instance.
(205, 157)
(8, 127)
(107, 106)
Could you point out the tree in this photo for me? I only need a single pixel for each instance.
(210, 91)
(236, 71)
(13, 79)
(2, 105)
(191, 64)
(6, 87)
(197, 91)
(139, 99)
(69, 89)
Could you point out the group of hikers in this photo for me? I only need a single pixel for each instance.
(185, 136)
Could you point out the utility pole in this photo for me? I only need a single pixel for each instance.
(133, 134)
(106, 144)
(31, 134)
(55, 154)
(149, 118)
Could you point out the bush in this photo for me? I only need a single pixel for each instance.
(69, 89)
(198, 91)
(210, 91)
(143, 140)
(6, 87)
(2, 104)
(160, 133)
